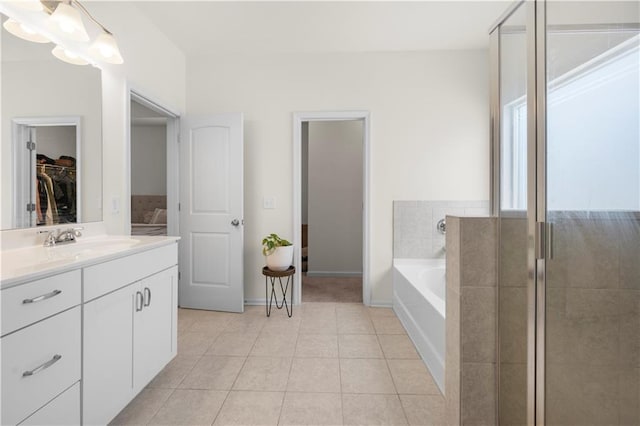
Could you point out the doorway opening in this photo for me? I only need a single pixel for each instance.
(153, 171)
(330, 207)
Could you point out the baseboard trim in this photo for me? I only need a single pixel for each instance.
(334, 274)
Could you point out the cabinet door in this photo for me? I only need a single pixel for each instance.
(153, 333)
(108, 345)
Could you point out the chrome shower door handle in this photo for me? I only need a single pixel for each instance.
(235, 222)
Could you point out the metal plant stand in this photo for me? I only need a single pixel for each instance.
(270, 275)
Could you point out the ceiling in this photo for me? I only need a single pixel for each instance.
(215, 27)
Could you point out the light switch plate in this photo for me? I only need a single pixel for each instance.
(269, 202)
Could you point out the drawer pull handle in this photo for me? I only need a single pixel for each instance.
(43, 297)
(44, 366)
(139, 301)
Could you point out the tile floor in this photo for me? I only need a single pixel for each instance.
(330, 364)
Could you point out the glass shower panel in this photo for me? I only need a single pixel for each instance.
(592, 302)
(512, 289)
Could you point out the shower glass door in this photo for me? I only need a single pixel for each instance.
(510, 38)
(592, 182)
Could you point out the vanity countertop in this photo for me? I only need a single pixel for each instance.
(30, 263)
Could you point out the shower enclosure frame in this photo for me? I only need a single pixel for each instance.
(536, 192)
(539, 231)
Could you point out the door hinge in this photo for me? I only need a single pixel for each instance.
(31, 207)
(179, 207)
(179, 276)
(31, 146)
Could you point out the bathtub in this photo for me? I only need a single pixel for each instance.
(419, 303)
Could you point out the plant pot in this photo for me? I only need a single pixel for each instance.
(280, 259)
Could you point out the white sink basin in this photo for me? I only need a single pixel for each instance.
(102, 244)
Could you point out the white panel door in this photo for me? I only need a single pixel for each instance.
(211, 224)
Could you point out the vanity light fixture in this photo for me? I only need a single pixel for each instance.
(67, 56)
(68, 22)
(64, 21)
(106, 49)
(23, 31)
(32, 5)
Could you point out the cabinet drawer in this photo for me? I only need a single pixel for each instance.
(109, 276)
(35, 349)
(48, 296)
(62, 411)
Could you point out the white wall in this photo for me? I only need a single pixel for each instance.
(54, 141)
(429, 132)
(335, 197)
(149, 160)
(153, 66)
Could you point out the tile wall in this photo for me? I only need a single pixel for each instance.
(414, 225)
(470, 373)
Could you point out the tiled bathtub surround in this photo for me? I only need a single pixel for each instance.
(470, 371)
(414, 225)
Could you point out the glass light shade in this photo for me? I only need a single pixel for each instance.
(18, 29)
(68, 57)
(32, 5)
(106, 49)
(68, 22)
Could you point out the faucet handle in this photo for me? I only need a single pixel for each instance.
(76, 231)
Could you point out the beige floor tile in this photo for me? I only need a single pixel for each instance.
(345, 315)
(263, 374)
(281, 325)
(211, 326)
(381, 312)
(343, 308)
(318, 324)
(365, 376)
(388, 325)
(355, 325)
(143, 407)
(317, 346)
(250, 408)
(372, 410)
(324, 309)
(397, 346)
(213, 373)
(254, 310)
(412, 377)
(171, 376)
(422, 410)
(302, 408)
(190, 407)
(359, 346)
(185, 323)
(233, 344)
(314, 375)
(274, 345)
(245, 324)
(191, 343)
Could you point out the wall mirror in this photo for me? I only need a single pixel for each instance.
(51, 141)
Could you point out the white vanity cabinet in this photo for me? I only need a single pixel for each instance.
(129, 328)
(41, 349)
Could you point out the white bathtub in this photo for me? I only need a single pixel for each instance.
(419, 302)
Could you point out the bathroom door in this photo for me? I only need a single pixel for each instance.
(211, 211)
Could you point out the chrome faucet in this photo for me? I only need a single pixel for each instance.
(64, 236)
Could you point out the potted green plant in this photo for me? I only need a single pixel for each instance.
(278, 251)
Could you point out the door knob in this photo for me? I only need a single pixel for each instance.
(235, 222)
